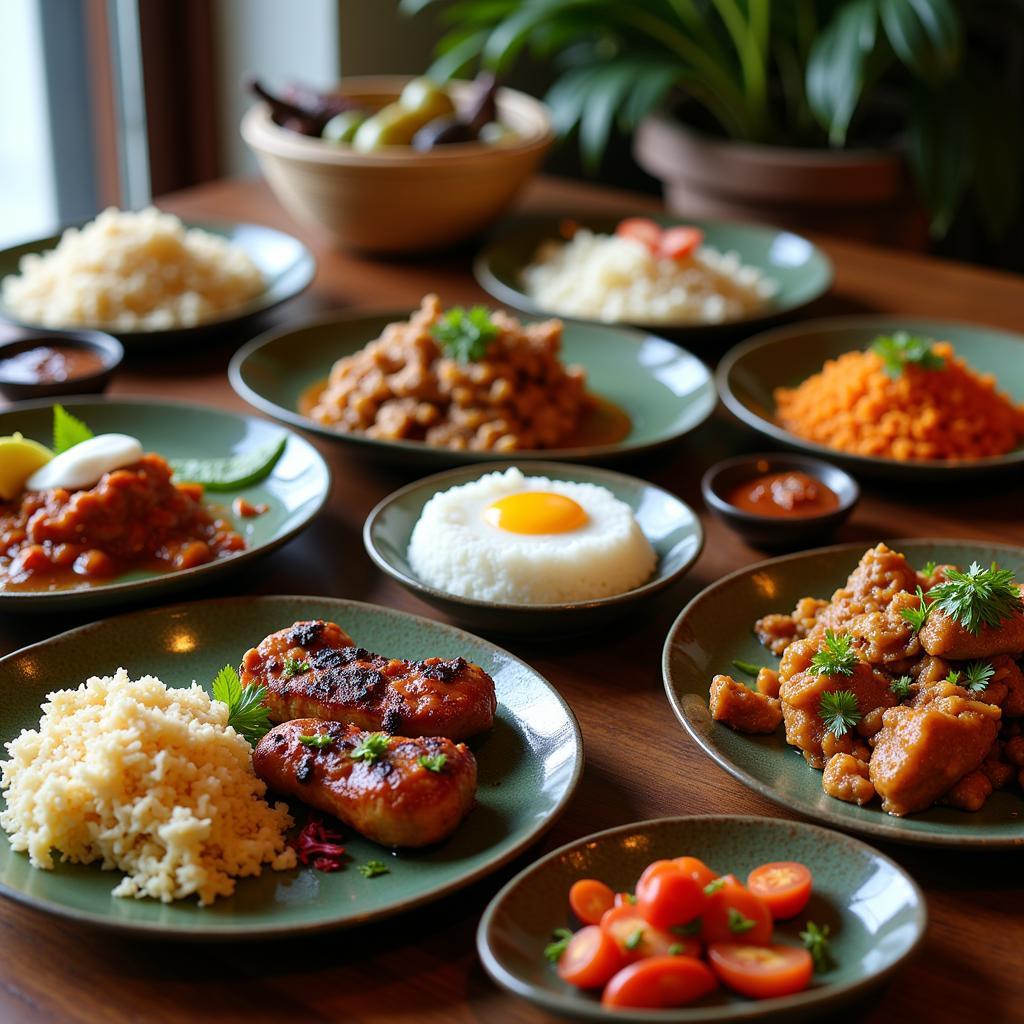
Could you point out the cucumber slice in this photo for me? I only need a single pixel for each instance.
(230, 472)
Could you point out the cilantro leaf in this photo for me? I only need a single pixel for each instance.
(465, 334)
(553, 950)
(372, 747)
(917, 616)
(293, 667)
(978, 597)
(837, 657)
(977, 676)
(900, 350)
(433, 762)
(815, 940)
(247, 714)
(67, 430)
(839, 711)
(373, 868)
(316, 740)
(900, 686)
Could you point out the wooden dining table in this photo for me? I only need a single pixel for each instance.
(422, 966)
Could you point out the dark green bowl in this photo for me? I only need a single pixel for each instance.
(670, 525)
(748, 376)
(877, 915)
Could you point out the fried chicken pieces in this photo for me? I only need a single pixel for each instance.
(919, 734)
(368, 739)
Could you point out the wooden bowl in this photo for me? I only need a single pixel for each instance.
(397, 199)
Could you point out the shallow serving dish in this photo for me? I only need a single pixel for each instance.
(777, 531)
(670, 525)
(287, 265)
(294, 491)
(716, 628)
(666, 391)
(803, 272)
(786, 356)
(107, 347)
(875, 911)
(529, 764)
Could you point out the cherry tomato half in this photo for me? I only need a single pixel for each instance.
(652, 869)
(784, 885)
(679, 242)
(635, 936)
(642, 230)
(590, 959)
(728, 912)
(761, 972)
(697, 869)
(589, 899)
(659, 981)
(670, 898)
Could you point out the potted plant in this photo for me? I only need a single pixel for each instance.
(851, 116)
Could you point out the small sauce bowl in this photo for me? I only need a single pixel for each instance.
(103, 352)
(783, 530)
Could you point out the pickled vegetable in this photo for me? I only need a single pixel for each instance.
(427, 98)
(442, 131)
(343, 127)
(392, 125)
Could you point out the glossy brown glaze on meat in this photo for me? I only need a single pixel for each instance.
(394, 800)
(315, 670)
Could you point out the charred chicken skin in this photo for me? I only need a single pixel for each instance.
(315, 670)
(394, 790)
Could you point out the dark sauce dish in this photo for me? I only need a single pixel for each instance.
(789, 528)
(38, 363)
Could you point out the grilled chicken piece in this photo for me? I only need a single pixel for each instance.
(394, 799)
(313, 669)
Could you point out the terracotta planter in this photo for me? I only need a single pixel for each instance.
(863, 194)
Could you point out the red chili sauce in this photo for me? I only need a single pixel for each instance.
(50, 364)
(791, 494)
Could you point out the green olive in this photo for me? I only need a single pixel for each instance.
(427, 98)
(392, 125)
(343, 127)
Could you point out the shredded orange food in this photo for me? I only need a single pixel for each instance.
(950, 413)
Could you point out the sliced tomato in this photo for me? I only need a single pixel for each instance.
(589, 899)
(670, 898)
(761, 972)
(590, 959)
(660, 982)
(785, 885)
(642, 230)
(697, 869)
(733, 913)
(635, 936)
(680, 242)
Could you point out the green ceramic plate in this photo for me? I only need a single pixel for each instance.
(666, 391)
(529, 765)
(803, 272)
(671, 526)
(295, 490)
(748, 376)
(876, 913)
(717, 627)
(287, 265)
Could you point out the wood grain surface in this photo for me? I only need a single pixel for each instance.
(639, 763)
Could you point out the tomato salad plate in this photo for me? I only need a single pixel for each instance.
(876, 690)
(251, 814)
(106, 499)
(701, 919)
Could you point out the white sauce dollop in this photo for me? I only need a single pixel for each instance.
(83, 465)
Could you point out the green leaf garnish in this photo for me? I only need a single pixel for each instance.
(230, 472)
(977, 676)
(372, 748)
(917, 616)
(68, 430)
(748, 667)
(553, 950)
(373, 868)
(900, 686)
(319, 741)
(815, 940)
(839, 711)
(900, 349)
(738, 924)
(712, 887)
(247, 714)
(634, 938)
(953, 676)
(293, 667)
(838, 657)
(433, 762)
(978, 597)
(465, 334)
(676, 949)
(928, 569)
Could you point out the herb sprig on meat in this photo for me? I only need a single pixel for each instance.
(978, 597)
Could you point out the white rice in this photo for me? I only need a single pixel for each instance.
(132, 271)
(455, 550)
(605, 277)
(145, 779)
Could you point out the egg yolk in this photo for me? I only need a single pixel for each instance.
(535, 512)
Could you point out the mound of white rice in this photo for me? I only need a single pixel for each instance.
(146, 779)
(453, 548)
(132, 271)
(605, 277)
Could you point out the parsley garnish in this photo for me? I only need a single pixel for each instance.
(928, 569)
(634, 938)
(676, 949)
(293, 666)
(712, 887)
(900, 686)
(371, 748)
(901, 349)
(433, 762)
(815, 939)
(320, 741)
(839, 711)
(738, 924)
(978, 597)
(977, 676)
(465, 334)
(748, 667)
(917, 616)
(837, 658)
(67, 430)
(953, 677)
(373, 868)
(247, 714)
(553, 950)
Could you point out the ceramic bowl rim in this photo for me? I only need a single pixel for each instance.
(110, 349)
